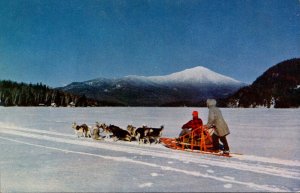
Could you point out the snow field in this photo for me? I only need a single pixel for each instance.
(139, 167)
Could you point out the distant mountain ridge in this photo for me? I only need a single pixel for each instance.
(186, 87)
(278, 87)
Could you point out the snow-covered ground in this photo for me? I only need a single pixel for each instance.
(39, 152)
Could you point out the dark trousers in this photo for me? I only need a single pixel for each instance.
(223, 139)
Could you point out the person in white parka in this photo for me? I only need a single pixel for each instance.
(216, 121)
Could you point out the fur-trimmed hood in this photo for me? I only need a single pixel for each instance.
(211, 102)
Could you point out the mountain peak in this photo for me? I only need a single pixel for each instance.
(195, 75)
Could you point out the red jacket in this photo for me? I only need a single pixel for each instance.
(194, 124)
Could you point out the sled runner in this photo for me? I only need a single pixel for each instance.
(198, 141)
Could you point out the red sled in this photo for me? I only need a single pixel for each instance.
(198, 141)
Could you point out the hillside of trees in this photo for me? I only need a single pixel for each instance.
(21, 94)
(278, 87)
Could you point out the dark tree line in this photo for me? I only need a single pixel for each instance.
(21, 94)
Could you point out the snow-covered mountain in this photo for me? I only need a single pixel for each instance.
(194, 76)
(188, 86)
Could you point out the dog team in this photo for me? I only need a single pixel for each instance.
(142, 134)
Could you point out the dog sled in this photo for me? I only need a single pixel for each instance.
(198, 141)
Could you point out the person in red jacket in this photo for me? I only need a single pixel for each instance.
(195, 123)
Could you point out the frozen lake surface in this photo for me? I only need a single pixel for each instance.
(39, 152)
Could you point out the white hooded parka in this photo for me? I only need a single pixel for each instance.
(216, 119)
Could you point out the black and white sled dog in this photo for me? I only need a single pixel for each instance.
(81, 130)
(145, 134)
(117, 132)
(140, 134)
(155, 133)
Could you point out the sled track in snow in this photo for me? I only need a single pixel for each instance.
(261, 165)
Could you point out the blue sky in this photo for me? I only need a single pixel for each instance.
(57, 42)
